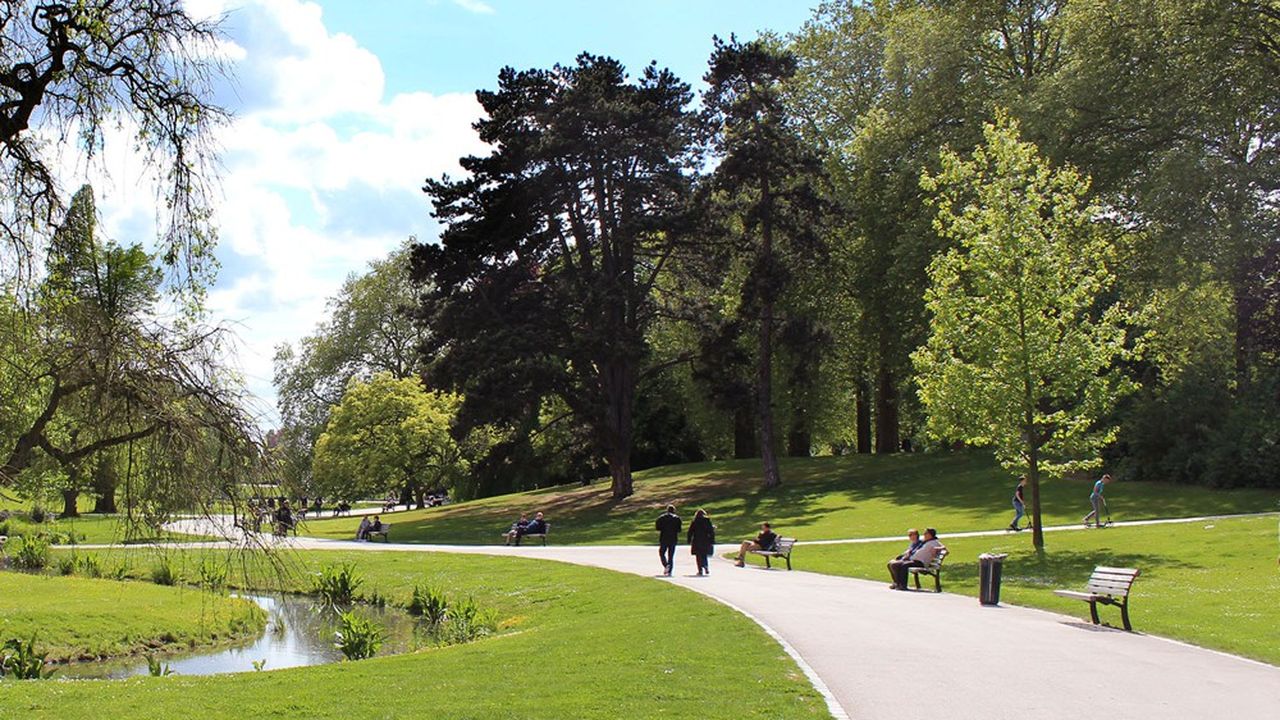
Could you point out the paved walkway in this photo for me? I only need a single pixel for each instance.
(869, 649)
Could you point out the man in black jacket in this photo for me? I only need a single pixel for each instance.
(668, 526)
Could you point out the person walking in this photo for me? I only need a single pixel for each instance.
(668, 526)
(1097, 501)
(702, 540)
(1019, 504)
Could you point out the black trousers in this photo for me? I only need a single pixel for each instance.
(898, 571)
(667, 553)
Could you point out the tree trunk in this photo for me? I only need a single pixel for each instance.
(799, 439)
(887, 438)
(69, 500)
(765, 276)
(862, 417)
(1033, 476)
(620, 389)
(744, 433)
(105, 481)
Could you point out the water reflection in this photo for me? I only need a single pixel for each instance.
(297, 634)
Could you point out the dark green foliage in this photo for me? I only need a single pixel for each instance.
(541, 284)
(336, 585)
(32, 552)
(21, 661)
(358, 637)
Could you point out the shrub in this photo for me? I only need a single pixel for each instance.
(156, 668)
(163, 573)
(119, 571)
(32, 553)
(21, 660)
(357, 637)
(67, 564)
(39, 515)
(337, 584)
(213, 575)
(91, 566)
(430, 604)
(467, 622)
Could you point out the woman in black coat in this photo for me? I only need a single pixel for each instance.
(702, 540)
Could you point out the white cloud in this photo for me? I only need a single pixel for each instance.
(322, 171)
(475, 6)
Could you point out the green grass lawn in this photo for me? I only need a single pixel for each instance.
(821, 498)
(575, 643)
(88, 530)
(1213, 584)
(77, 618)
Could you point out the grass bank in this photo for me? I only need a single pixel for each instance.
(821, 498)
(574, 643)
(1213, 584)
(80, 618)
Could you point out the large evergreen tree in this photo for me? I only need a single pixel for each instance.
(765, 196)
(541, 283)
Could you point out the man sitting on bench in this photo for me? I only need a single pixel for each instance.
(766, 540)
(536, 526)
(919, 557)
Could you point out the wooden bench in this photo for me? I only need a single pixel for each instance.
(386, 528)
(781, 549)
(934, 568)
(1109, 586)
(542, 535)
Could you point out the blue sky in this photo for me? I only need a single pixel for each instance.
(342, 109)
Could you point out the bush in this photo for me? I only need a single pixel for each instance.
(39, 515)
(357, 637)
(467, 622)
(32, 553)
(430, 604)
(21, 661)
(119, 571)
(67, 564)
(164, 574)
(213, 575)
(337, 584)
(155, 668)
(91, 566)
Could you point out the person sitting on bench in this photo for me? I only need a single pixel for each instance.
(920, 557)
(362, 532)
(509, 536)
(766, 540)
(536, 526)
(375, 526)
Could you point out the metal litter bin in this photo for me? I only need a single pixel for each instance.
(989, 570)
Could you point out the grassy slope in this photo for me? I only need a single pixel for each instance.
(821, 498)
(1213, 584)
(77, 617)
(578, 643)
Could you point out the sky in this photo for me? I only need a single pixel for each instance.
(342, 108)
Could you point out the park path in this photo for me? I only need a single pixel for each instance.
(874, 653)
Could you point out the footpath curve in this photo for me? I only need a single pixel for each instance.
(875, 653)
(878, 653)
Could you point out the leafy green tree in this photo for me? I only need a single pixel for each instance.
(1024, 338)
(369, 329)
(104, 377)
(389, 435)
(765, 192)
(542, 282)
(75, 69)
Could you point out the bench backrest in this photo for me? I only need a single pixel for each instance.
(937, 560)
(783, 545)
(385, 527)
(1115, 582)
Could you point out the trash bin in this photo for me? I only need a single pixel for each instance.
(989, 569)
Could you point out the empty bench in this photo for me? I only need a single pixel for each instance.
(386, 528)
(1109, 586)
(781, 549)
(934, 568)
